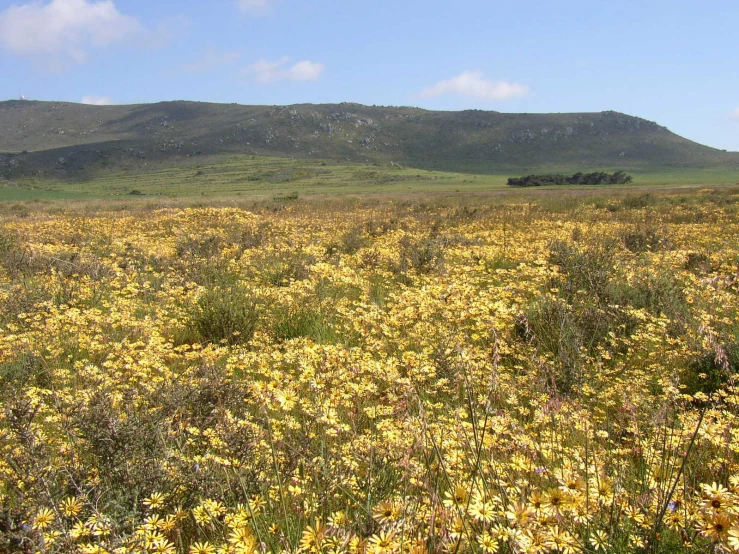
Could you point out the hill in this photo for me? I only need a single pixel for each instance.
(75, 141)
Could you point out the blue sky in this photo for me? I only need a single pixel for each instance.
(675, 62)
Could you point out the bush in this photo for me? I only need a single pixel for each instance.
(349, 243)
(424, 255)
(379, 227)
(285, 197)
(278, 268)
(712, 370)
(226, 315)
(643, 240)
(636, 202)
(13, 257)
(205, 246)
(551, 326)
(698, 261)
(595, 178)
(658, 293)
(353, 240)
(26, 369)
(589, 270)
(300, 321)
(251, 237)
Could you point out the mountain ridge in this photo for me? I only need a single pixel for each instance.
(74, 141)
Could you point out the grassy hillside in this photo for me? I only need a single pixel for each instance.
(77, 142)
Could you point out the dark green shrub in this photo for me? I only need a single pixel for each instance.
(226, 314)
(280, 267)
(550, 325)
(251, 237)
(349, 243)
(205, 246)
(642, 240)
(353, 240)
(596, 323)
(13, 257)
(698, 261)
(22, 300)
(305, 320)
(589, 270)
(291, 323)
(379, 289)
(8, 241)
(125, 447)
(285, 197)
(25, 369)
(423, 255)
(579, 178)
(639, 201)
(712, 370)
(660, 293)
(378, 227)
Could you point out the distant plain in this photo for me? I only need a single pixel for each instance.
(247, 175)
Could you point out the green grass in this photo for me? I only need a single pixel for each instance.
(269, 176)
(686, 177)
(24, 193)
(281, 177)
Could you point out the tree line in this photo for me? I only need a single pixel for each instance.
(579, 178)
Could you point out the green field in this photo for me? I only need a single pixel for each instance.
(282, 177)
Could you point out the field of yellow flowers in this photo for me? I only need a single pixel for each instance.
(398, 376)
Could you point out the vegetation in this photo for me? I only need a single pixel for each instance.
(73, 142)
(283, 178)
(513, 374)
(579, 178)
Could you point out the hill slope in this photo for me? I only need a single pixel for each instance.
(66, 140)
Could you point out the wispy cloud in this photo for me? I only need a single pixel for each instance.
(474, 84)
(169, 29)
(211, 59)
(734, 114)
(61, 32)
(253, 7)
(97, 100)
(265, 71)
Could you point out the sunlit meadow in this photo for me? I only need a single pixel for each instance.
(397, 376)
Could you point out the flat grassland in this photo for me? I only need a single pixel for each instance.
(536, 371)
(271, 176)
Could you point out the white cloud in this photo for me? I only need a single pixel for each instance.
(211, 59)
(252, 6)
(97, 100)
(734, 114)
(62, 31)
(265, 71)
(305, 71)
(473, 84)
